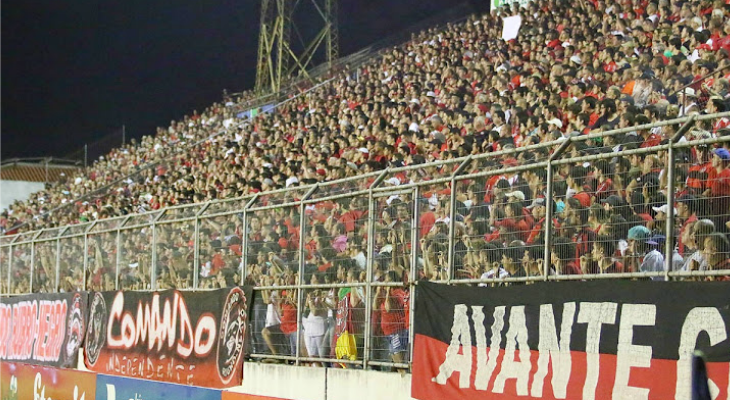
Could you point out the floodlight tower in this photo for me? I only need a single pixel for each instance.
(279, 60)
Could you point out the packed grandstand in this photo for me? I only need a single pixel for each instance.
(352, 183)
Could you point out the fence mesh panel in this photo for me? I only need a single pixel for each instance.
(44, 267)
(4, 269)
(135, 265)
(101, 271)
(220, 241)
(20, 269)
(175, 254)
(71, 264)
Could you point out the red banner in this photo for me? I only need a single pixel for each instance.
(189, 338)
(24, 381)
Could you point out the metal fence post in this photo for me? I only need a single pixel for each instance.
(244, 240)
(300, 275)
(196, 250)
(32, 265)
(118, 255)
(452, 218)
(548, 224)
(196, 246)
(10, 266)
(669, 228)
(549, 207)
(153, 267)
(153, 261)
(86, 257)
(414, 271)
(58, 263)
(241, 263)
(369, 268)
(415, 235)
(368, 279)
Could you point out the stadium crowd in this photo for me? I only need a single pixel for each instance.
(577, 68)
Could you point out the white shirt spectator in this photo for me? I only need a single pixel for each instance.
(653, 262)
(272, 311)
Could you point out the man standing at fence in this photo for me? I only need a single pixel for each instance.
(391, 302)
(720, 189)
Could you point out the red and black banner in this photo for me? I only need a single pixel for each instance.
(190, 338)
(570, 340)
(43, 329)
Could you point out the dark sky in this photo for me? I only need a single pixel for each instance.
(73, 72)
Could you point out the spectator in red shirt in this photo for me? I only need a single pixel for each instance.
(289, 319)
(515, 221)
(602, 170)
(720, 188)
(538, 213)
(650, 139)
(575, 186)
(698, 175)
(391, 301)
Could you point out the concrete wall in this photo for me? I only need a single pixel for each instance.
(16, 190)
(349, 384)
(283, 381)
(308, 383)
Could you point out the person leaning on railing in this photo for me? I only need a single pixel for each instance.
(390, 303)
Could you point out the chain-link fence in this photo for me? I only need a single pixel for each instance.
(334, 263)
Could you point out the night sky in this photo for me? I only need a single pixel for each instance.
(73, 72)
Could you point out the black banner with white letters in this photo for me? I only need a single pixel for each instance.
(191, 338)
(43, 329)
(570, 340)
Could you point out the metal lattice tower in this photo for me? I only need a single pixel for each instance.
(333, 37)
(278, 59)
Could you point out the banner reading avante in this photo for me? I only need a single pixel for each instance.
(592, 340)
(23, 381)
(191, 338)
(45, 329)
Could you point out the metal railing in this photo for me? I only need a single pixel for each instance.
(428, 221)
